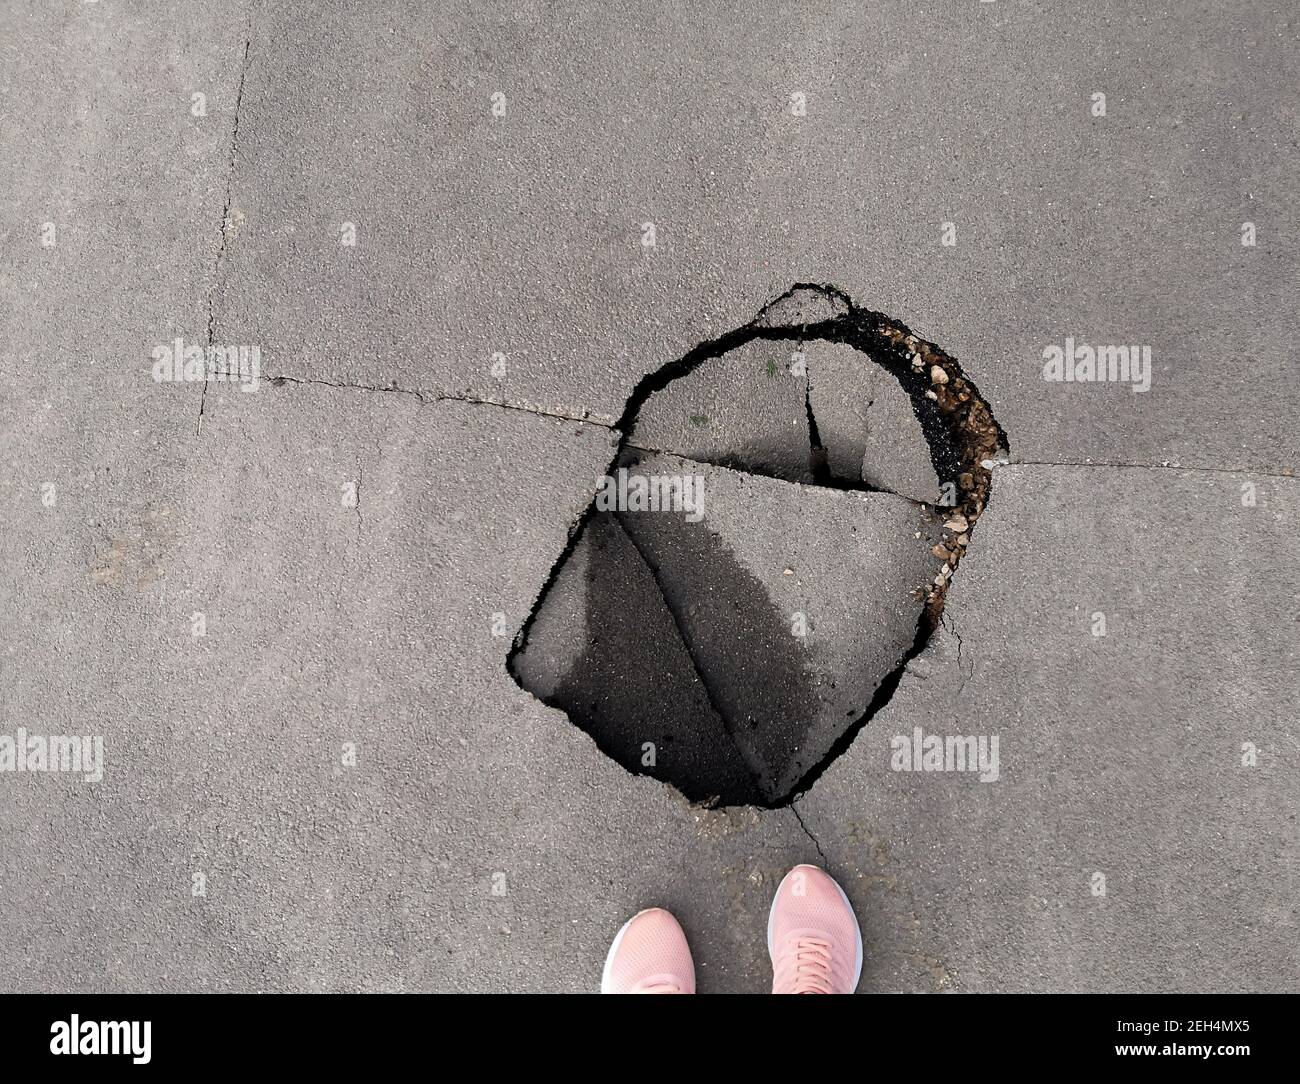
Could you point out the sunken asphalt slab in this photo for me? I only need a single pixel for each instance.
(481, 841)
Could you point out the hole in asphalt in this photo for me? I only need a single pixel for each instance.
(783, 517)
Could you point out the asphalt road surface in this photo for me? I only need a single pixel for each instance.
(453, 238)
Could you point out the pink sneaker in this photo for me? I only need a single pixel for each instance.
(813, 936)
(649, 956)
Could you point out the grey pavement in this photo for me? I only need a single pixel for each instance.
(287, 612)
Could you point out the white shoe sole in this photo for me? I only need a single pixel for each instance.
(857, 930)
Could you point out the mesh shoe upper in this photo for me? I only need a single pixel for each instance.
(649, 956)
(813, 936)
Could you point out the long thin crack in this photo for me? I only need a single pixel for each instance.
(951, 626)
(794, 808)
(278, 381)
(443, 397)
(211, 331)
(437, 397)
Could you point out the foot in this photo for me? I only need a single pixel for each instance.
(649, 956)
(813, 936)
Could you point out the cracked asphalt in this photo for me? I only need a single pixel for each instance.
(289, 621)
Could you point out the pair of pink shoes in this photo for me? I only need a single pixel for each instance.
(812, 937)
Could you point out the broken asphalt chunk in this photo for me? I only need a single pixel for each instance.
(605, 650)
(792, 661)
(745, 409)
(868, 423)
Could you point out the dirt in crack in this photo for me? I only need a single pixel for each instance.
(782, 520)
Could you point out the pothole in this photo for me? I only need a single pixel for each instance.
(786, 509)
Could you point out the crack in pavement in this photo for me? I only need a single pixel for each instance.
(427, 397)
(794, 808)
(225, 218)
(446, 397)
(279, 381)
(951, 625)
